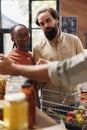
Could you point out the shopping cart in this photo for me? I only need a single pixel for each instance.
(59, 111)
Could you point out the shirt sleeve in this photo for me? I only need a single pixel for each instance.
(79, 45)
(69, 72)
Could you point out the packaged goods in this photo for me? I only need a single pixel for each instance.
(83, 96)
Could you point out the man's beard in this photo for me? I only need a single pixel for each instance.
(52, 33)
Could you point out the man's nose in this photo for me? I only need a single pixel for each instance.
(46, 25)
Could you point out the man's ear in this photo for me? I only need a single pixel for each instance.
(57, 20)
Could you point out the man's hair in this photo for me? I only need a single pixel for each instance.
(54, 13)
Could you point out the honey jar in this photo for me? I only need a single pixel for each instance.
(15, 111)
(2, 86)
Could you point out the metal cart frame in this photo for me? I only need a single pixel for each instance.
(56, 110)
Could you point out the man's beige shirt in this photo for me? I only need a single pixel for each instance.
(67, 46)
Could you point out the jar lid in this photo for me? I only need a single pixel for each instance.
(15, 97)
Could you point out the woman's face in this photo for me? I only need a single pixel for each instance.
(21, 36)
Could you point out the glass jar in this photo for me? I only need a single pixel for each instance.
(14, 84)
(15, 111)
(2, 86)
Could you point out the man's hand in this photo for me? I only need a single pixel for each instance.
(5, 64)
(42, 61)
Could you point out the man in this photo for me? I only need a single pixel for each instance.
(69, 72)
(55, 46)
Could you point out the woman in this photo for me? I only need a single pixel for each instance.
(20, 54)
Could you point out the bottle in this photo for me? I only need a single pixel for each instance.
(15, 111)
(28, 89)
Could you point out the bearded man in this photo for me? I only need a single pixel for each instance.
(55, 46)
